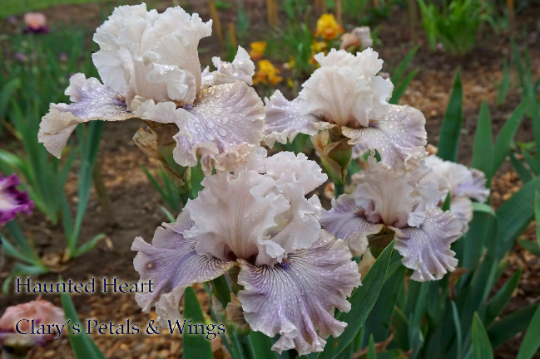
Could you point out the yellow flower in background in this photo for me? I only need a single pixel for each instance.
(290, 82)
(291, 64)
(316, 47)
(327, 27)
(267, 73)
(257, 49)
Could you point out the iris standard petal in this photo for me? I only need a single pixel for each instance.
(286, 167)
(426, 249)
(233, 216)
(241, 69)
(172, 264)
(297, 298)
(154, 56)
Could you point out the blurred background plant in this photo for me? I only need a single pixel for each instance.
(454, 25)
(466, 315)
(35, 69)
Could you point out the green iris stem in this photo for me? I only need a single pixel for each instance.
(222, 291)
(247, 348)
(339, 189)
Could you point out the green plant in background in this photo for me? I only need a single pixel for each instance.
(24, 251)
(401, 80)
(455, 26)
(31, 83)
(296, 39)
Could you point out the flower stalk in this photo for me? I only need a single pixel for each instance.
(336, 154)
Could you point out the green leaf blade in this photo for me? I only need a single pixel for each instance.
(83, 346)
(362, 301)
(483, 143)
(481, 347)
(531, 343)
(452, 122)
(195, 345)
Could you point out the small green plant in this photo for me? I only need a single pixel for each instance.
(454, 26)
(24, 251)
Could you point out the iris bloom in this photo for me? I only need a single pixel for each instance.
(359, 38)
(257, 49)
(42, 312)
(36, 23)
(12, 200)
(150, 68)
(347, 96)
(327, 27)
(387, 204)
(462, 183)
(293, 273)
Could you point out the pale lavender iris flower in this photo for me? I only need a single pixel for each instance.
(149, 65)
(463, 185)
(293, 273)
(402, 204)
(346, 93)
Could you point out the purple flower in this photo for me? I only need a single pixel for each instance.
(35, 23)
(62, 57)
(12, 200)
(19, 56)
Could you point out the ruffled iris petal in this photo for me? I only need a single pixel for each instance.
(457, 179)
(296, 298)
(475, 188)
(224, 128)
(286, 167)
(143, 53)
(346, 220)
(241, 69)
(172, 264)
(462, 209)
(91, 101)
(233, 217)
(399, 137)
(426, 249)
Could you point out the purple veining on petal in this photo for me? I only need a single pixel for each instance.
(347, 221)
(426, 249)
(12, 200)
(172, 264)
(297, 298)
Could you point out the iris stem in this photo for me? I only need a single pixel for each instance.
(222, 291)
(247, 348)
(339, 189)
